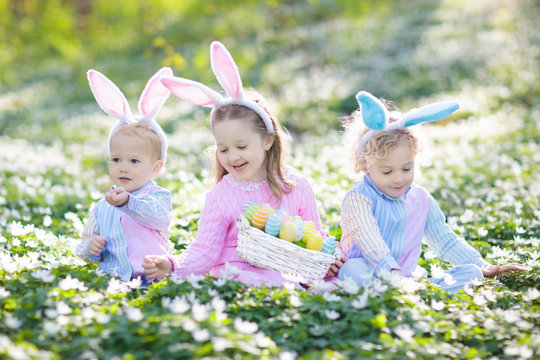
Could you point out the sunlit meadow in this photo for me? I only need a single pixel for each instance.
(483, 166)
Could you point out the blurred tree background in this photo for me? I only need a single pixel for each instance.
(308, 57)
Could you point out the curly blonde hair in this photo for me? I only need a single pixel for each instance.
(275, 166)
(378, 147)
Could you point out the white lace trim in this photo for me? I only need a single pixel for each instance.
(243, 185)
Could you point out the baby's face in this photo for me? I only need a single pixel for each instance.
(394, 174)
(131, 164)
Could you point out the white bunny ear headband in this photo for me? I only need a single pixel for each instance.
(375, 115)
(228, 76)
(114, 103)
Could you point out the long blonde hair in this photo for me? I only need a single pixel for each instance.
(276, 176)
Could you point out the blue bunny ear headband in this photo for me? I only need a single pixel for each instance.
(375, 116)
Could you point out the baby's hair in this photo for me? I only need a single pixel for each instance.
(275, 167)
(378, 147)
(145, 132)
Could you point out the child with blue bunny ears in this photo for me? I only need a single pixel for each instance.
(133, 218)
(385, 215)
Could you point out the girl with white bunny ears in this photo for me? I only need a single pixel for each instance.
(249, 164)
(385, 215)
(133, 218)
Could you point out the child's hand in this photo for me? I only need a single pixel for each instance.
(96, 245)
(494, 270)
(117, 196)
(156, 267)
(334, 268)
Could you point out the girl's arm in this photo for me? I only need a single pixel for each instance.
(360, 229)
(203, 254)
(90, 229)
(151, 210)
(446, 243)
(308, 203)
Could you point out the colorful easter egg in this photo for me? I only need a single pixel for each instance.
(287, 231)
(281, 211)
(247, 204)
(329, 244)
(294, 218)
(259, 217)
(273, 225)
(314, 242)
(284, 217)
(250, 211)
(309, 230)
(299, 225)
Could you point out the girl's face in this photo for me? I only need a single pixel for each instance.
(241, 150)
(131, 164)
(394, 174)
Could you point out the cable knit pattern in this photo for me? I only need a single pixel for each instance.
(216, 240)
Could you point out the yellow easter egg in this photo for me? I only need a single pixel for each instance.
(287, 231)
(259, 217)
(315, 242)
(309, 230)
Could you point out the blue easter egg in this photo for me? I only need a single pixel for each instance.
(329, 244)
(273, 224)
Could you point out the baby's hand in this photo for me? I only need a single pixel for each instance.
(494, 270)
(156, 267)
(334, 268)
(117, 196)
(96, 245)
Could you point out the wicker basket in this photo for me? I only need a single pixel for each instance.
(269, 252)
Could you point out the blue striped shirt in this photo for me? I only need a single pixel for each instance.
(387, 232)
(137, 229)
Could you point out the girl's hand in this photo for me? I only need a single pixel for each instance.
(334, 268)
(156, 267)
(494, 270)
(96, 245)
(117, 196)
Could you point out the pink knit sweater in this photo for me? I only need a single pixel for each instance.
(216, 240)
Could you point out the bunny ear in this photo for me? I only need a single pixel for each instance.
(431, 112)
(108, 96)
(373, 110)
(192, 91)
(154, 94)
(225, 70)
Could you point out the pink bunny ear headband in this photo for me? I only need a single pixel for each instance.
(114, 103)
(228, 77)
(375, 116)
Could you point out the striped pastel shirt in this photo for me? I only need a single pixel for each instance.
(387, 232)
(137, 229)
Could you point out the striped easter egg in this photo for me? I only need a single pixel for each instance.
(309, 230)
(314, 242)
(247, 204)
(329, 244)
(259, 217)
(250, 211)
(287, 231)
(273, 225)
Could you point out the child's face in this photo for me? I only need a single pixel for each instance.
(241, 150)
(394, 174)
(131, 164)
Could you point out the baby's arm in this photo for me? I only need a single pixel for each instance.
(360, 229)
(151, 210)
(446, 243)
(90, 243)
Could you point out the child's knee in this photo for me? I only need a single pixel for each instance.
(471, 271)
(357, 269)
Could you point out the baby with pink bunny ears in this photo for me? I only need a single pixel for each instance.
(133, 218)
